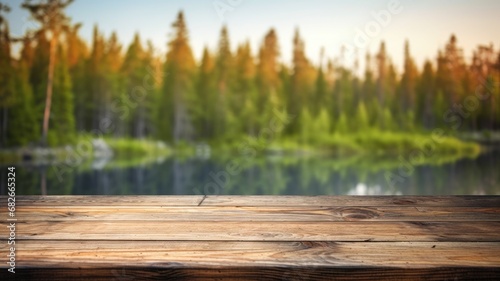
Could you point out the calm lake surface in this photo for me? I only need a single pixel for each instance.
(273, 175)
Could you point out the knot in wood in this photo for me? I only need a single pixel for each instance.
(354, 214)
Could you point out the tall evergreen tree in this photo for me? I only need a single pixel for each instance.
(206, 95)
(425, 90)
(224, 78)
(7, 95)
(408, 81)
(320, 97)
(302, 79)
(21, 114)
(54, 22)
(62, 130)
(77, 58)
(178, 88)
(134, 70)
(244, 92)
(267, 76)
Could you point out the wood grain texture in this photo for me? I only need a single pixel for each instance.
(297, 273)
(164, 254)
(229, 213)
(104, 200)
(255, 238)
(257, 231)
(315, 201)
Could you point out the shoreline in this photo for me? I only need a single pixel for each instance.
(374, 145)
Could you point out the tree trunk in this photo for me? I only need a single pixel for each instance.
(50, 80)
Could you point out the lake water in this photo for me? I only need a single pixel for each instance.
(273, 175)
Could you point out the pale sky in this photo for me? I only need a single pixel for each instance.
(323, 23)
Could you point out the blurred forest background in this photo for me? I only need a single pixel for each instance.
(102, 116)
(110, 89)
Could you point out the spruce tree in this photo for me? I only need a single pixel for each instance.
(22, 113)
(302, 80)
(178, 88)
(62, 130)
(54, 22)
(224, 79)
(206, 92)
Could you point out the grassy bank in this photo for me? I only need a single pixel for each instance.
(134, 148)
(423, 147)
(86, 148)
(372, 143)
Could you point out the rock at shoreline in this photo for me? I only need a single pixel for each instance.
(101, 149)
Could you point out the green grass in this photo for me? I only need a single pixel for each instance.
(125, 148)
(373, 143)
(124, 151)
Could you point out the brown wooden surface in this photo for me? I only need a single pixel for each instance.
(281, 201)
(255, 238)
(253, 213)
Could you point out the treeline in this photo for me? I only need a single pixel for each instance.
(105, 88)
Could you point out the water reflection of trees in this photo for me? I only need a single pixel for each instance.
(270, 175)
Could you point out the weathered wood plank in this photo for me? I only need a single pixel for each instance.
(105, 200)
(164, 254)
(255, 238)
(354, 201)
(256, 272)
(299, 213)
(316, 201)
(257, 231)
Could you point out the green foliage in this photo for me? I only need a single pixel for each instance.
(62, 129)
(342, 126)
(20, 115)
(362, 119)
(233, 94)
(178, 87)
(134, 148)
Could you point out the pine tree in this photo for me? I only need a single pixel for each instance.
(382, 74)
(77, 58)
(134, 70)
(206, 95)
(369, 88)
(273, 86)
(62, 130)
(224, 78)
(21, 113)
(302, 80)
(450, 73)
(408, 82)
(455, 65)
(426, 96)
(320, 97)
(117, 92)
(484, 69)
(267, 75)
(98, 93)
(244, 90)
(54, 22)
(151, 82)
(7, 89)
(178, 89)
(38, 74)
